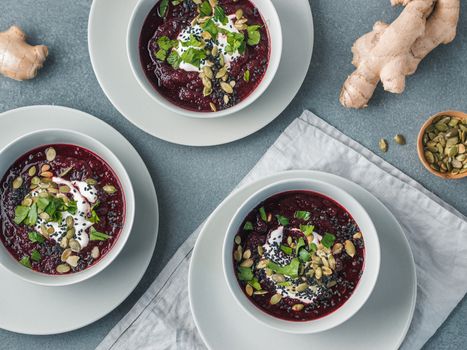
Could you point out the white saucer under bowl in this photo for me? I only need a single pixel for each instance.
(66, 308)
(107, 32)
(382, 322)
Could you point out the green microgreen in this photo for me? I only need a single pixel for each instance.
(95, 235)
(248, 226)
(282, 220)
(35, 237)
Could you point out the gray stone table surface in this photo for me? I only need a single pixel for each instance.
(193, 181)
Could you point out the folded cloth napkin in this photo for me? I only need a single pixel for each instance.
(162, 315)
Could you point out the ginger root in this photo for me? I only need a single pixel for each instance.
(18, 59)
(391, 52)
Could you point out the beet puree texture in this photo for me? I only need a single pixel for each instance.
(185, 89)
(326, 216)
(86, 164)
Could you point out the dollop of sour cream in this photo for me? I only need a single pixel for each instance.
(273, 252)
(221, 39)
(85, 196)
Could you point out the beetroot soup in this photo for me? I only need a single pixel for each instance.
(298, 256)
(62, 208)
(204, 57)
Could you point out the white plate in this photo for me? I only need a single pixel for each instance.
(107, 31)
(383, 320)
(33, 309)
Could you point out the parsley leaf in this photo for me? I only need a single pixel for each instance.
(36, 237)
(210, 27)
(245, 274)
(313, 247)
(219, 15)
(42, 203)
(328, 240)
(303, 215)
(255, 283)
(246, 76)
(205, 9)
(300, 244)
(25, 261)
(307, 229)
(21, 212)
(163, 8)
(290, 270)
(161, 55)
(97, 236)
(192, 41)
(254, 35)
(36, 256)
(248, 226)
(282, 220)
(287, 250)
(174, 60)
(32, 215)
(193, 56)
(165, 43)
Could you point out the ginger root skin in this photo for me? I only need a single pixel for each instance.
(18, 59)
(391, 52)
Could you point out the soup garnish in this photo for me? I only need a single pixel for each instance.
(298, 256)
(204, 55)
(62, 208)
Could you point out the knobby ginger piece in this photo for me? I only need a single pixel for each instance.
(18, 59)
(391, 52)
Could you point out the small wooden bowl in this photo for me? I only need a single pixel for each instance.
(421, 152)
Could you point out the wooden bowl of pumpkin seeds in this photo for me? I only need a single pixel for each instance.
(442, 144)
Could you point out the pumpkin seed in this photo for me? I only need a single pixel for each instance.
(44, 231)
(74, 245)
(50, 154)
(318, 273)
(72, 260)
(278, 278)
(260, 292)
(206, 91)
(232, 83)
(249, 290)
(44, 216)
(400, 139)
(109, 189)
(221, 72)
(302, 287)
(91, 182)
(213, 3)
(247, 263)
(350, 248)
(50, 230)
(298, 307)
(27, 202)
(331, 284)
(208, 72)
(95, 253)
(327, 271)
(260, 250)
(337, 248)
(206, 35)
(332, 262)
(383, 145)
(64, 242)
(70, 233)
(226, 87)
(207, 82)
(239, 13)
(358, 235)
(35, 180)
(17, 182)
(276, 298)
(238, 239)
(65, 171)
(226, 99)
(262, 264)
(69, 221)
(32, 171)
(429, 157)
(47, 174)
(63, 268)
(247, 254)
(237, 256)
(213, 107)
(65, 254)
(215, 51)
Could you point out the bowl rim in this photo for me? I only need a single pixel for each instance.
(271, 71)
(301, 327)
(421, 152)
(129, 199)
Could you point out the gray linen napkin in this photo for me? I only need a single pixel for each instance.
(161, 319)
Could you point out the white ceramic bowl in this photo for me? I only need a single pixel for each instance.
(371, 264)
(271, 19)
(24, 144)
